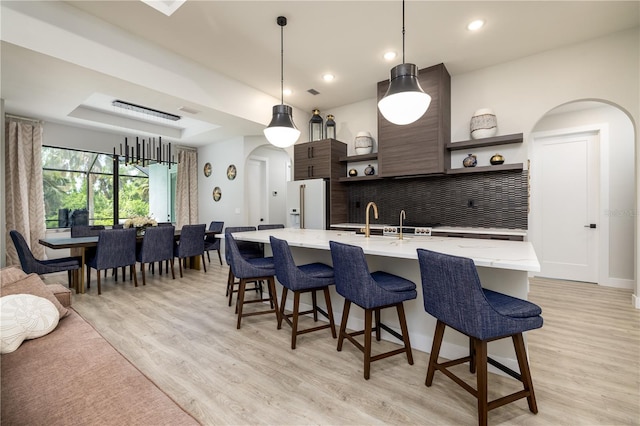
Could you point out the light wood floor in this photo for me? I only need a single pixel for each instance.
(584, 361)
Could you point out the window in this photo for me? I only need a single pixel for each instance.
(79, 189)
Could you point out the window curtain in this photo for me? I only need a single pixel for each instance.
(187, 188)
(24, 198)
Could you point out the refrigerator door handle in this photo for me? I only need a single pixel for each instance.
(302, 187)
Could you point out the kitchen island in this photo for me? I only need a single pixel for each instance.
(503, 266)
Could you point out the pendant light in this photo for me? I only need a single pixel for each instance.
(405, 101)
(281, 132)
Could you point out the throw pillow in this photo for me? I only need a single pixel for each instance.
(11, 274)
(32, 284)
(25, 316)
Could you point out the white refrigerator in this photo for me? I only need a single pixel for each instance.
(307, 204)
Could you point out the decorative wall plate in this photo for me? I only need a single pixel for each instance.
(231, 172)
(217, 193)
(207, 169)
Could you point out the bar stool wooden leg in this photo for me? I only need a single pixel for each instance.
(343, 324)
(367, 343)
(327, 299)
(525, 373)
(240, 301)
(435, 350)
(481, 366)
(405, 332)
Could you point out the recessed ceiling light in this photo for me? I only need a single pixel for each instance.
(475, 25)
(287, 92)
(328, 77)
(389, 56)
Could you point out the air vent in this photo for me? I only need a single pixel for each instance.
(313, 92)
(144, 110)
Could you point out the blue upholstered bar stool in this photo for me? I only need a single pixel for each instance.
(454, 296)
(248, 250)
(252, 270)
(308, 278)
(372, 292)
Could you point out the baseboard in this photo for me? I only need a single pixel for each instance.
(618, 283)
(635, 300)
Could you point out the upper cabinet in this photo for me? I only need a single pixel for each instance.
(418, 148)
(319, 159)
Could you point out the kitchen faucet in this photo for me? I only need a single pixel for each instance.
(403, 215)
(367, 231)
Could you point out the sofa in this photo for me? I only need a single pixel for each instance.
(72, 375)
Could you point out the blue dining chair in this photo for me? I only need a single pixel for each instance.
(308, 278)
(31, 265)
(191, 244)
(252, 270)
(157, 246)
(372, 292)
(116, 249)
(454, 296)
(248, 250)
(211, 242)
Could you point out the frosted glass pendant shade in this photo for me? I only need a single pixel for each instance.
(405, 101)
(281, 132)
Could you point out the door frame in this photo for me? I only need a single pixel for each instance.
(249, 202)
(602, 131)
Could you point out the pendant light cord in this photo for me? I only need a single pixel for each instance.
(282, 65)
(403, 32)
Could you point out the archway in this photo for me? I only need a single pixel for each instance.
(616, 194)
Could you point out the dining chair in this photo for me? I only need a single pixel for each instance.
(157, 246)
(116, 249)
(248, 250)
(78, 231)
(454, 295)
(211, 242)
(300, 279)
(31, 265)
(191, 244)
(372, 292)
(252, 270)
(270, 226)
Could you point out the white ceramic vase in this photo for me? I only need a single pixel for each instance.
(363, 143)
(483, 124)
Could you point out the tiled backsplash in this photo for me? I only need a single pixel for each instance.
(497, 199)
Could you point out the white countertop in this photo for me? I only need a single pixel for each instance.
(514, 255)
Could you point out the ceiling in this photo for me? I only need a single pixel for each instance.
(240, 40)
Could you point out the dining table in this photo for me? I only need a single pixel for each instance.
(78, 247)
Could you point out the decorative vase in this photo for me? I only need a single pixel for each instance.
(496, 159)
(369, 170)
(363, 143)
(470, 161)
(483, 124)
(353, 173)
(140, 230)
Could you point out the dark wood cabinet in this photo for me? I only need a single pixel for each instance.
(418, 148)
(321, 160)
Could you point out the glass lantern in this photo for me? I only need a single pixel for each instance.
(316, 126)
(330, 128)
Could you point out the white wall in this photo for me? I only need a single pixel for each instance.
(621, 191)
(232, 206)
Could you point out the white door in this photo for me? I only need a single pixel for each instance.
(257, 191)
(566, 172)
